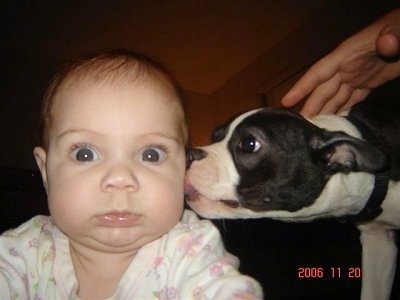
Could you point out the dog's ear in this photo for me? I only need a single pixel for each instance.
(219, 133)
(339, 152)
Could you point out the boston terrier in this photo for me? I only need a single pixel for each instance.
(273, 163)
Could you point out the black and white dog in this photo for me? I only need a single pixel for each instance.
(270, 163)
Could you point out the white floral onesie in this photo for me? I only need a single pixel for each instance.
(189, 262)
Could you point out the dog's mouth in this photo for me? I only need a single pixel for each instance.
(192, 195)
(230, 203)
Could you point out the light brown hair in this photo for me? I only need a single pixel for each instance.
(112, 65)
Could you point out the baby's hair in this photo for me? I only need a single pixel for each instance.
(113, 65)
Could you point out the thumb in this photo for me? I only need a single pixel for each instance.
(388, 44)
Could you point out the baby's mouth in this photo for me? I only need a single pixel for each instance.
(118, 219)
(231, 203)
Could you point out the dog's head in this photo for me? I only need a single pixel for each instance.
(269, 160)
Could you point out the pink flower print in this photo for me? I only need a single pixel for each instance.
(190, 227)
(40, 221)
(158, 261)
(44, 223)
(168, 293)
(157, 264)
(46, 228)
(50, 254)
(14, 252)
(216, 270)
(34, 243)
(198, 293)
(187, 244)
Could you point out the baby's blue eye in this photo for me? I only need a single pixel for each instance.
(85, 154)
(152, 155)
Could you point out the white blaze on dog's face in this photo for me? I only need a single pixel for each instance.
(274, 163)
(214, 178)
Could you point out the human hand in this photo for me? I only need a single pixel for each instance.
(348, 74)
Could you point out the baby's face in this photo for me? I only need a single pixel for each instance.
(115, 165)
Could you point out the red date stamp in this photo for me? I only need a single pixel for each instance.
(331, 273)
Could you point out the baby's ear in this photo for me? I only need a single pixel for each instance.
(41, 156)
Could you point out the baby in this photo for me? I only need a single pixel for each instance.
(113, 161)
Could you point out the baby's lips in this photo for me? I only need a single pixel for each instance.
(118, 219)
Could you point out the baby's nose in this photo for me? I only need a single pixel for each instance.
(120, 177)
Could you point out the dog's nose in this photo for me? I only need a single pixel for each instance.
(194, 154)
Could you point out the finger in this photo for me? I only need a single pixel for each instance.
(391, 71)
(321, 95)
(388, 45)
(338, 100)
(357, 96)
(319, 73)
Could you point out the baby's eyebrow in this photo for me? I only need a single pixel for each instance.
(74, 131)
(95, 134)
(164, 137)
(70, 132)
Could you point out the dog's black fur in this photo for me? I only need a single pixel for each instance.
(294, 155)
(276, 164)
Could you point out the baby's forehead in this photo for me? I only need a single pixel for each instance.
(116, 68)
(90, 94)
(119, 80)
(137, 112)
(79, 90)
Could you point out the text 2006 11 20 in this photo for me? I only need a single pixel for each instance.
(332, 272)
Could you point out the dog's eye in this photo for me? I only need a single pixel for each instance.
(249, 144)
